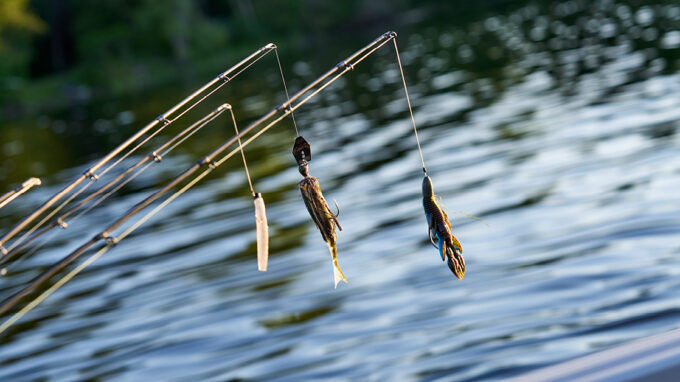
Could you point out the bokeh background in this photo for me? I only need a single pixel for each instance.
(554, 121)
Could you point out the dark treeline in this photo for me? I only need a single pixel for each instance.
(55, 53)
(83, 49)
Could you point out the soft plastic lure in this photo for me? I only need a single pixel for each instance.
(326, 221)
(439, 228)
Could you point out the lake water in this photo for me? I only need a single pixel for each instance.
(557, 125)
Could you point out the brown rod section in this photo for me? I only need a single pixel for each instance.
(90, 173)
(23, 187)
(154, 155)
(61, 220)
(208, 160)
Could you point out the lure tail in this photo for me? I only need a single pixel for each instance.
(456, 263)
(262, 234)
(337, 272)
(439, 229)
(324, 219)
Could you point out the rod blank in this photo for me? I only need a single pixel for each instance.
(23, 187)
(208, 162)
(162, 119)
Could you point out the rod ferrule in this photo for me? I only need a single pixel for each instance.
(155, 157)
(111, 241)
(282, 106)
(207, 162)
(344, 64)
(163, 120)
(91, 175)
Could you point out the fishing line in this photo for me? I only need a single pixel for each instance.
(173, 142)
(117, 239)
(408, 101)
(164, 150)
(93, 177)
(285, 88)
(274, 122)
(261, 226)
(90, 173)
(8, 303)
(243, 155)
(207, 163)
(438, 223)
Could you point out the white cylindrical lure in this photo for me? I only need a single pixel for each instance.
(262, 233)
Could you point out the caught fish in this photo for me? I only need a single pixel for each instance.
(326, 221)
(439, 228)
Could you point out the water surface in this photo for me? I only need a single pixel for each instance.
(556, 124)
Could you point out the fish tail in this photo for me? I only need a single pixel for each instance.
(337, 272)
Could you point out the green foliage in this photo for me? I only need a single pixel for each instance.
(113, 47)
(15, 16)
(17, 24)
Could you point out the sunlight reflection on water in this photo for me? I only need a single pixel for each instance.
(567, 149)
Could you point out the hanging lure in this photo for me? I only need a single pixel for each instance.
(260, 213)
(439, 228)
(262, 233)
(438, 225)
(326, 221)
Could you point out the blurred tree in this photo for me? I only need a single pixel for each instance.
(119, 37)
(17, 23)
(15, 15)
(107, 48)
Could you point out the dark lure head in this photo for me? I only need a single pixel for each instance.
(301, 150)
(428, 190)
(303, 168)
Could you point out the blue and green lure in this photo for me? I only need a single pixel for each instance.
(439, 230)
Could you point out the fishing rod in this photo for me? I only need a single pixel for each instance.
(156, 156)
(164, 120)
(122, 179)
(207, 164)
(20, 189)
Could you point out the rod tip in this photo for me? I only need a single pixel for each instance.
(32, 182)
